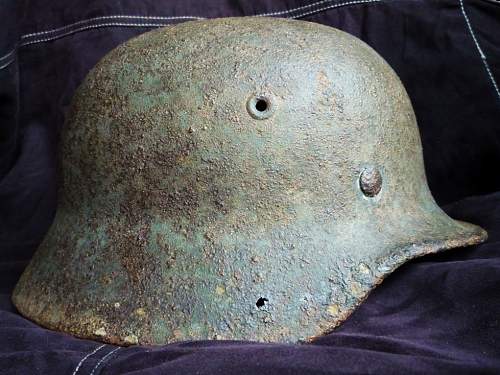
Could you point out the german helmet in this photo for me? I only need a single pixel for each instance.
(237, 178)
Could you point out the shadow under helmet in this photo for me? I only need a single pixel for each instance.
(238, 178)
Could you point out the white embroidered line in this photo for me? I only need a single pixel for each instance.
(6, 64)
(481, 53)
(92, 27)
(163, 18)
(335, 6)
(84, 358)
(166, 18)
(103, 359)
(110, 18)
(7, 55)
(280, 13)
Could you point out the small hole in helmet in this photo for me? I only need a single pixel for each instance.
(261, 302)
(261, 105)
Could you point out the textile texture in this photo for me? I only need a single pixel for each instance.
(436, 314)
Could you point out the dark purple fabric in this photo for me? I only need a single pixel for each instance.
(438, 314)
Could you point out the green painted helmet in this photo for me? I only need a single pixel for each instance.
(238, 178)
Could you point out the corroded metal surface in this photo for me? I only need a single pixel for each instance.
(233, 179)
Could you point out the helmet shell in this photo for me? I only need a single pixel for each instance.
(237, 178)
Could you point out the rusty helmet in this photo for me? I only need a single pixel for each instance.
(238, 178)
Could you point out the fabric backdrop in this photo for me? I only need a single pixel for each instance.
(438, 314)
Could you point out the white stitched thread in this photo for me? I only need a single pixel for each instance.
(8, 54)
(88, 355)
(103, 359)
(481, 53)
(92, 27)
(335, 6)
(269, 14)
(280, 13)
(163, 18)
(6, 64)
(110, 18)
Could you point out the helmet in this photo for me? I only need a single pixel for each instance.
(238, 178)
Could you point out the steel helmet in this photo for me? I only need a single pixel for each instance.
(238, 178)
